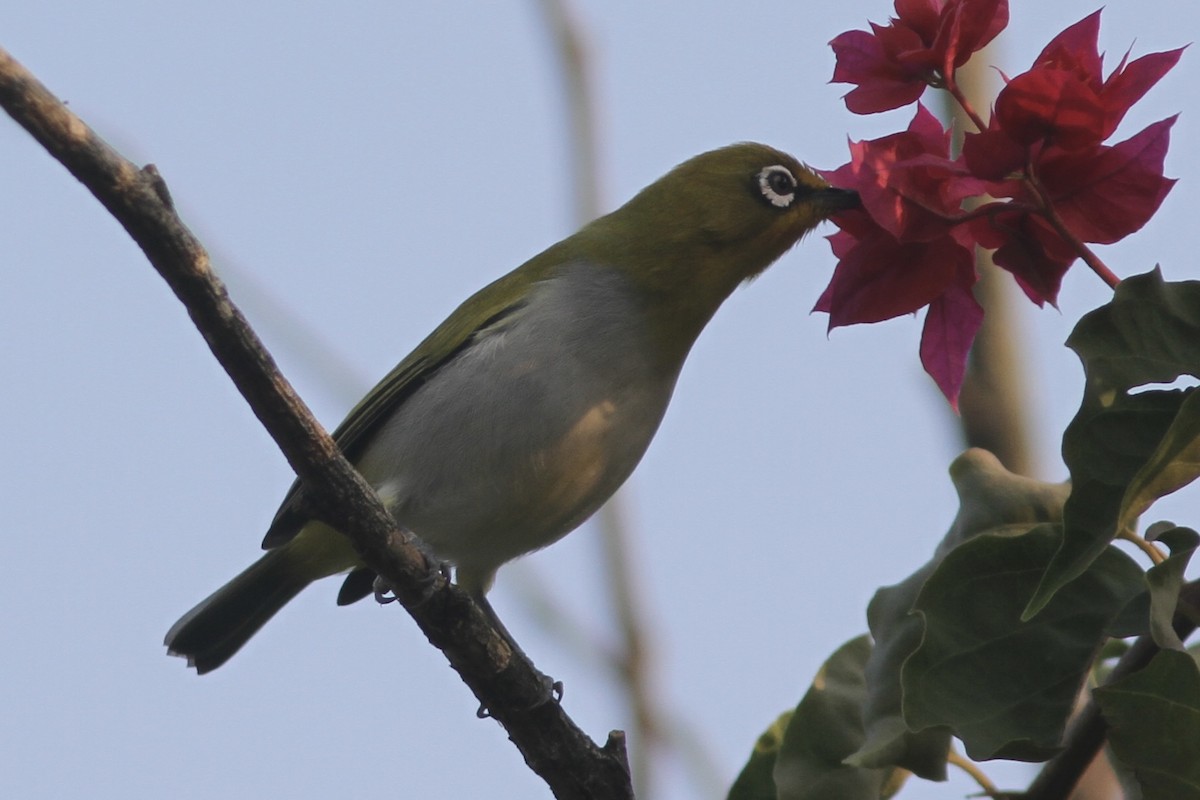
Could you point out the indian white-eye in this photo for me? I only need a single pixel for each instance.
(526, 409)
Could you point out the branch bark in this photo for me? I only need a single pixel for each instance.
(502, 678)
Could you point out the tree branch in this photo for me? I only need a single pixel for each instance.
(503, 679)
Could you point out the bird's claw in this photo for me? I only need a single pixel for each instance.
(385, 593)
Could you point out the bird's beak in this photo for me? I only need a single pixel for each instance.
(831, 199)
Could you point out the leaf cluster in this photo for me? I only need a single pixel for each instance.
(994, 641)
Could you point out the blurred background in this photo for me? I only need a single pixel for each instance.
(356, 170)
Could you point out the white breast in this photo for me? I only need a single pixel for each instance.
(526, 433)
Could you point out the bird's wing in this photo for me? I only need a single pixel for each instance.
(483, 310)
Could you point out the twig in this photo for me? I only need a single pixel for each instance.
(1153, 553)
(504, 680)
(978, 775)
(1094, 262)
(567, 36)
(965, 107)
(634, 662)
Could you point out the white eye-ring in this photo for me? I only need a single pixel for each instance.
(778, 186)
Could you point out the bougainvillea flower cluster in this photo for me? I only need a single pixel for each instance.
(1035, 183)
(893, 64)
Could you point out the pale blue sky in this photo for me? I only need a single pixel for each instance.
(369, 165)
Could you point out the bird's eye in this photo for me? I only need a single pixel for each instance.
(777, 185)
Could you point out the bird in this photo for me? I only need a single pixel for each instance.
(527, 408)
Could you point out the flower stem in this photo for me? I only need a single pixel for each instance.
(972, 769)
(1089, 257)
(1149, 549)
(952, 87)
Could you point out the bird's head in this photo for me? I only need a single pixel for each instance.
(713, 222)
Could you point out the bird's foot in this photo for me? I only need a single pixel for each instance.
(385, 593)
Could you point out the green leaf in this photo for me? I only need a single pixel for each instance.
(756, 780)
(990, 499)
(1104, 448)
(888, 740)
(1123, 448)
(1173, 465)
(1007, 687)
(825, 728)
(1154, 725)
(800, 757)
(1166, 579)
(1134, 619)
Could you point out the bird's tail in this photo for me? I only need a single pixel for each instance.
(209, 634)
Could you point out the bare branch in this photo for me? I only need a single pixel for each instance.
(503, 679)
(572, 50)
